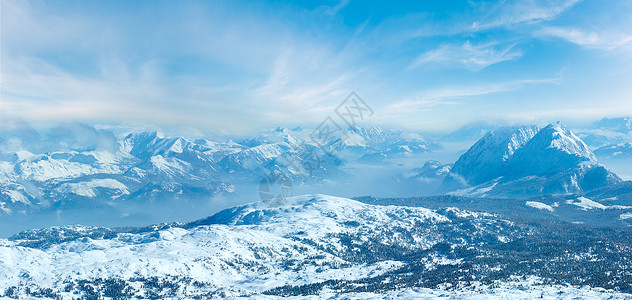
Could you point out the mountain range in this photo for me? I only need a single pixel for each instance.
(525, 212)
(78, 166)
(86, 168)
(607, 131)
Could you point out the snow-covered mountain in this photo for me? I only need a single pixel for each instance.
(320, 245)
(607, 131)
(141, 161)
(75, 165)
(621, 124)
(487, 158)
(527, 161)
(390, 143)
(431, 171)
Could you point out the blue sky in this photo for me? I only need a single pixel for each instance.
(238, 66)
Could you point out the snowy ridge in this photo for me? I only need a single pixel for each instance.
(88, 188)
(563, 139)
(208, 249)
(310, 245)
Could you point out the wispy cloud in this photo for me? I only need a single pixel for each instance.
(427, 99)
(507, 13)
(305, 77)
(223, 65)
(594, 40)
(472, 57)
(257, 72)
(333, 9)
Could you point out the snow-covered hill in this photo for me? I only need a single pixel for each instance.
(317, 245)
(527, 161)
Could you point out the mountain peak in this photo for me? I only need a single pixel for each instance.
(553, 150)
(559, 137)
(484, 161)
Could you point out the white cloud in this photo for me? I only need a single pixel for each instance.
(334, 9)
(507, 13)
(305, 76)
(445, 96)
(260, 71)
(481, 16)
(594, 40)
(221, 66)
(472, 57)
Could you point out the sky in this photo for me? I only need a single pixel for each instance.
(235, 67)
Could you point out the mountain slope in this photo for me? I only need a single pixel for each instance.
(487, 158)
(314, 245)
